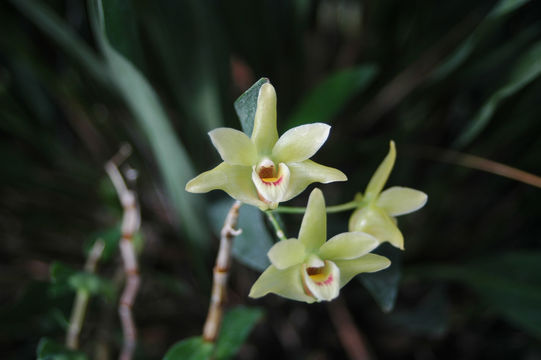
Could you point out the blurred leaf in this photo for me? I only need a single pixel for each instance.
(429, 317)
(111, 238)
(193, 348)
(383, 285)
(68, 40)
(236, 326)
(246, 105)
(173, 161)
(329, 96)
(66, 279)
(60, 272)
(251, 246)
(51, 350)
(464, 50)
(527, 69)
(509, 283)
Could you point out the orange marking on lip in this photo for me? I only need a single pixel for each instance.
(272, 181)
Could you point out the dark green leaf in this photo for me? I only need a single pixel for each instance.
(193, 348)
(51, 350)
(236, 326)
(172, 158)
(330, 95)
(246, 105)
(252, 245)
(527, 69)
(383, 285)
(509, 283)
(464, 50)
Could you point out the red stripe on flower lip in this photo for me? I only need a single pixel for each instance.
(326, 282)
(275, 182)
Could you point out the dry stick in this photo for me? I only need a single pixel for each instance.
(350, 336)
(221, 272)
(130, 224)
(81, 298)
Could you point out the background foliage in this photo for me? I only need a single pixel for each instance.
(77, 80)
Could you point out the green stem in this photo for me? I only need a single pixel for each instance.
(330, 209)
(279, 232)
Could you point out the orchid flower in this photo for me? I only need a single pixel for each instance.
(376, 214)
(311, 269)
(265, 170)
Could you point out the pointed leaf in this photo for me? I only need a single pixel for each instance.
(236, 326)
(234, 146)
(401, 200)
(194, 348)
(51, 350)
(329, 96)
(246, 106)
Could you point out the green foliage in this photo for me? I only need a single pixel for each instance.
(328, 97)
(251, 246)
(194, 348)
(246, 105)
(237, 325)
(50, 350)
(64, 278)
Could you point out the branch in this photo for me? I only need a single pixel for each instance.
(221, 272)
(78, 311)
(131, 222)
(279, 232)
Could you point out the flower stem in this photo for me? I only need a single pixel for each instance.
(131, 222)
(279, 232)
(221, 272)
(330, 209)
(78, 311)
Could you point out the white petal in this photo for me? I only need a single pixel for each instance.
(367, 263)
(301, 142)
(323, 283)
(286, 283)
(378, 180)
(265, 134)
(313, 231)
(401, 200)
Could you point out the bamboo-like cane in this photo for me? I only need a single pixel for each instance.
(81, 298)
(221, 272)
(131, 221)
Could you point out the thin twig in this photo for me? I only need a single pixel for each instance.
(78, 311)
(279, 232)
(221, 272)
(350, 336)
(478, 163)
(131, 221)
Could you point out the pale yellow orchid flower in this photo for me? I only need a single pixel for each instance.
(311, 269)
(376, 214)
(265, 170)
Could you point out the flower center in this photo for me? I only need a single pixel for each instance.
(271, 181)
(321, 282)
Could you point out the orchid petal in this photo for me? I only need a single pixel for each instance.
(313, 232)
(265, 133)
(323, 282)
(401, 200)
(367, 263)
(286, 253)
(233, 179)
(234, 146)
(300, 143)
(349, 245)
(307, 172)
(377, 223)
(381, 175)
(286, 283)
